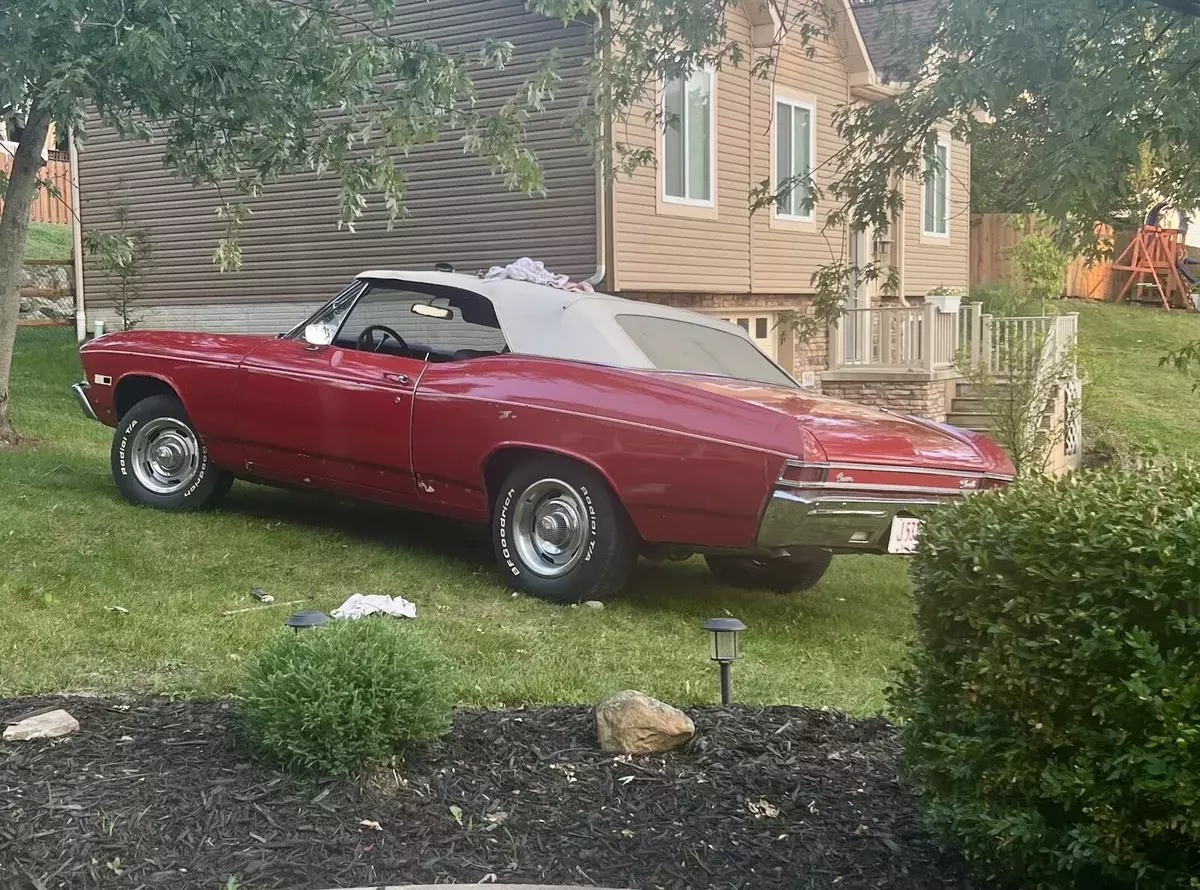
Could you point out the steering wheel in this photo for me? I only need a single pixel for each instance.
(367, 341)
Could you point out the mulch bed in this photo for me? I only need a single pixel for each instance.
(153, 793)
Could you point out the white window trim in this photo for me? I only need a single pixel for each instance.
(943, 142)
(712, 146)
(811, 107)
(771, 342)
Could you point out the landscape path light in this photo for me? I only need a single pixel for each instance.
(305, 619)
(723, 649)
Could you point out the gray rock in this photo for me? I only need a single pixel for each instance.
(594, 604)
(32, 308)
(55, 276)
(51, 725)
(633, 723)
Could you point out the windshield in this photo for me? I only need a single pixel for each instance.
(674, 345)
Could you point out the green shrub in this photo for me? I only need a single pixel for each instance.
(1001, 300)
(1051, 710)
(1037, 268)
(344, 697)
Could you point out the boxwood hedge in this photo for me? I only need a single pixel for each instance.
(346, 697)
(1051, 708)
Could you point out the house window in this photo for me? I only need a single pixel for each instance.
(688, 139)
(795, 145)
(761, 328)
(936, 194)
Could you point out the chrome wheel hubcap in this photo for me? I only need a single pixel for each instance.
(165, 456)
(550, 527)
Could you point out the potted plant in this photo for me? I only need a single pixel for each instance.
(947, 299)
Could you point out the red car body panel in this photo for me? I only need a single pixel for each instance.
(693, 459)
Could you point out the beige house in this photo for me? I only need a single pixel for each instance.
(681, 233)
(684, 233)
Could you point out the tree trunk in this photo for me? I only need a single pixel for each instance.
(14, 236)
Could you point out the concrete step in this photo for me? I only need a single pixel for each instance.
(969, 412)
(964, 390)
(982, 423)
(966, 405)
(979, 423)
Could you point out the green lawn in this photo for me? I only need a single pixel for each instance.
(48, 241)
(72, 549)
(1125, 388)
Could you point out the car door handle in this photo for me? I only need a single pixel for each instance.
(402, 379)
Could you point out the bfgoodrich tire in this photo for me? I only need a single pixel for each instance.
(783, 575)
(560, 533)
(158, 458)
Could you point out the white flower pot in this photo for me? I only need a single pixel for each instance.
(947, 303)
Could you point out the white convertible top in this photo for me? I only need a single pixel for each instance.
(546, 321)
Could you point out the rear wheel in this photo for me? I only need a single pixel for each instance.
(560, 533)
(782, 574)
(158, 459)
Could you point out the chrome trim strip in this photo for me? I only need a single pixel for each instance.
(80, 390)
(875, 486)
(889, 468)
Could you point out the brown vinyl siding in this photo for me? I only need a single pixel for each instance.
(933, 262)
(293, 251)
(676, 250)
(786, 252)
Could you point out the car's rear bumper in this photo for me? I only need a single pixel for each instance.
(80, 390)
(857, 524)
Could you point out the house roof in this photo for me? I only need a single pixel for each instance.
(897, 33)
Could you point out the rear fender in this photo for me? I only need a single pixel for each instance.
(501, 459)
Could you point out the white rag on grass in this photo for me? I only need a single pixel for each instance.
(362, 604)
(535, 271)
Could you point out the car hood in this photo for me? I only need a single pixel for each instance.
(179, 344)
(852, 432)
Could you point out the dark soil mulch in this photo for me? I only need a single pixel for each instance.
(162, 794)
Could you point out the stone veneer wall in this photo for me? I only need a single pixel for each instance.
(47, 292)
(810, 355)
(921, 397)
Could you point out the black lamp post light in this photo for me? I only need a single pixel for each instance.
(305, 619)
(723, 649)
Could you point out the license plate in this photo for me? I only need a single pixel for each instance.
(904, 535)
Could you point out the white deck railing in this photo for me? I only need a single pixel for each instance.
(894, 338)
(921, 338)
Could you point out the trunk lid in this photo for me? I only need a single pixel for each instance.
(851, 432)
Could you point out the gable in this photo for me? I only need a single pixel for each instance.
(897, 34)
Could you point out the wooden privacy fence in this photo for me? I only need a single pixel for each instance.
(993, 233)
(49, 206)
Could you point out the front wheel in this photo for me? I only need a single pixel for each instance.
(560, 533)
(782, 574)
(159, 460)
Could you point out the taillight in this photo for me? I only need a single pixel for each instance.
(806, 473)
(994, 482)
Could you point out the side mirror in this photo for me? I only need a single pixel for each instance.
(430, 311)
(318, 334)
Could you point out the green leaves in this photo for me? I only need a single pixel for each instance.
(1037, 267)
(242, 92)
(1052, 700)
(344, 697)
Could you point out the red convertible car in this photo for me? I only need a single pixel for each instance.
(585, 428)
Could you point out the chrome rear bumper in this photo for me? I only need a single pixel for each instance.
(80, 390)
(842, 524)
